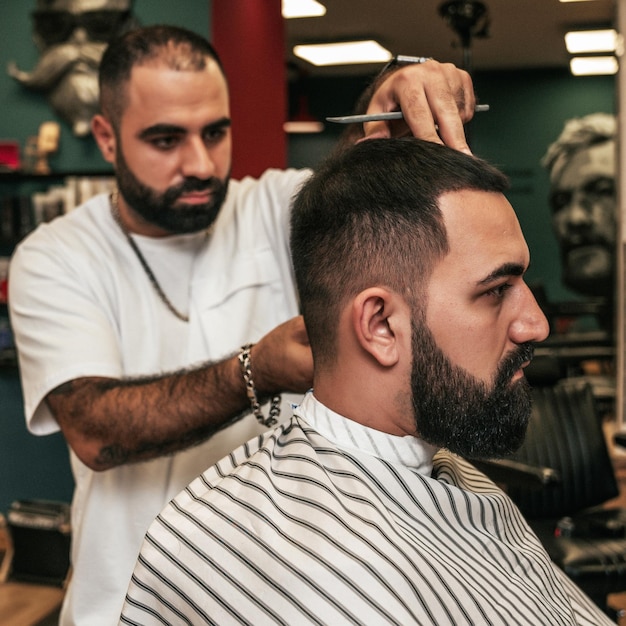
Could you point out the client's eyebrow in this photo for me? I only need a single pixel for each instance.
(506, 269)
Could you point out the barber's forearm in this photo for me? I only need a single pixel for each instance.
(110, 422)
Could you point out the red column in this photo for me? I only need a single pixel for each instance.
(249, 37)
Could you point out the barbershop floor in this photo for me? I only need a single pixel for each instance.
(39, 606)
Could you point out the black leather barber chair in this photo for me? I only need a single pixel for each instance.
(571, 477)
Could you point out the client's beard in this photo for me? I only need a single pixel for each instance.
(454, 410)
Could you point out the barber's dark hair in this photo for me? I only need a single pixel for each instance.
(370, 217)
(179, 48)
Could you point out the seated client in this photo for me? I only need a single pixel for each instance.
(363, 509)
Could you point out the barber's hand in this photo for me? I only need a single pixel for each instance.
(430, 95)
(282, 360)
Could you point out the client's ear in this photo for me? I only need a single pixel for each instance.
(379, 321)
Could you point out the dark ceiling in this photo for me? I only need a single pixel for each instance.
(521, 33)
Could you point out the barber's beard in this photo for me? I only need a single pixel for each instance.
(162, 209)
(455, 410)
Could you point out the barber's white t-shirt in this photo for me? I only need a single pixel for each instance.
(82, 305)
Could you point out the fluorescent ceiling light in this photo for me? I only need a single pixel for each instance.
(573, 0)
(344, 53)
(587, 66)
(302, 8)
(582, 41)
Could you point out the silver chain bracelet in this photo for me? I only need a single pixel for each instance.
(245, 363)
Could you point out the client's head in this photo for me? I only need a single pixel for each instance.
(409, 262)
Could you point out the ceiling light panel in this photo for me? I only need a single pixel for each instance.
(589, 66)
(343, 53)
(302, 8)
(582, 41)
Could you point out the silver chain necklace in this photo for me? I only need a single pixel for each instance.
(115, 211)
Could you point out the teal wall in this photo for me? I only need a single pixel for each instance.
(24, 110)
(38, 467)
(527, 112)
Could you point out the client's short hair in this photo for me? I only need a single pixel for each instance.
(369, 216)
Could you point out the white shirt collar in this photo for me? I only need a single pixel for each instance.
(352, 436)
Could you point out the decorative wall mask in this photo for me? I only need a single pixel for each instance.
(71, 36)
(581, 163)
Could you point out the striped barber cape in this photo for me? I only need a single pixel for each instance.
(325, 521)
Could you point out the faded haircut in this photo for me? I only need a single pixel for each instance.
(180, 49)
(368, 217)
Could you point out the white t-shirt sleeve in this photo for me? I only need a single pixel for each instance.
(61, 329)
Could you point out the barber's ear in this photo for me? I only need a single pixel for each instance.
(105, 137)
(379, 323)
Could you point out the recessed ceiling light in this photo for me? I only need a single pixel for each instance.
(343, 53)
(581, 41)
(588, 66)
(302, 8)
